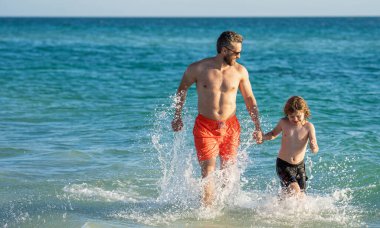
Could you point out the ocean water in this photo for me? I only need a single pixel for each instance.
(86, 106)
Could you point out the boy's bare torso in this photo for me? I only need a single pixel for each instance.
(294, 141)
(216, 88)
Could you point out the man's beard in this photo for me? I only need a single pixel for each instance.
(228, 61)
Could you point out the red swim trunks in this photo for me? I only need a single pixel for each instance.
(213, 137)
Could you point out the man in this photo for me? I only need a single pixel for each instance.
(217, 130)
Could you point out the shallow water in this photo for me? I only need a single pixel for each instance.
(85, 117)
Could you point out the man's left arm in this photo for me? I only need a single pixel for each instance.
(251, 104)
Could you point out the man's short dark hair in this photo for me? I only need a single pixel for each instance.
(226, 38)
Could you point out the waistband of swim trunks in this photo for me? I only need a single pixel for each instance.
(288, 164)
(205, 119)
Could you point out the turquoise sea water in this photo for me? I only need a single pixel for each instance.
(86, 105)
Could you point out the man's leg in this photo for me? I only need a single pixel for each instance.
(230, 175)
(229, 148)
(224, 163)
(208, 167)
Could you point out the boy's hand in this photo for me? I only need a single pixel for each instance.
(258, 136)
(314, 146)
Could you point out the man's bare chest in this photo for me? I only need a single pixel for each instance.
(214, 80)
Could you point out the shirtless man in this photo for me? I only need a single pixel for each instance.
(216, 129)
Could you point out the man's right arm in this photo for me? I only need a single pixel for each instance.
(187, 80)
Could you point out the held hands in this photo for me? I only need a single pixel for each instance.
(177, 124)
(258, 136)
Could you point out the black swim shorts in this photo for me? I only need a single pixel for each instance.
(289, 173)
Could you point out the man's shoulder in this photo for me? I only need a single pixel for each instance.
(198, 66)
(201, 63)
(241, 69)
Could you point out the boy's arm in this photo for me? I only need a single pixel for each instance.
(274, 133)
(313, 139)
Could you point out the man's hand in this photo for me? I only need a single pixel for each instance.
(258, 136)
(177, 124)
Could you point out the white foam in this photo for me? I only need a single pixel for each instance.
(86, 191)
(310, 209)
(180, 190)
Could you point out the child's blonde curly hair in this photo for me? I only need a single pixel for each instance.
(297, 103)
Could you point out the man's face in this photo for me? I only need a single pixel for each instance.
(231, 53)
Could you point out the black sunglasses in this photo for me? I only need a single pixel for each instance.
(235, 52)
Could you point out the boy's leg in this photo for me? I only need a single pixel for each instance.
(285, 176)
(295, 190)
(207, 168)
(301, 177)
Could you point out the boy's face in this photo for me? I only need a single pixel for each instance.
(297, 117)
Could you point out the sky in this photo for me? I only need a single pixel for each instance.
(188, 8)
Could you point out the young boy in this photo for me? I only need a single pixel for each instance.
(296, 132)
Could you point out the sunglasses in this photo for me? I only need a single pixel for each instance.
(234, 52)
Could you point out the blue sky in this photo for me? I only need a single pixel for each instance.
(189, 8)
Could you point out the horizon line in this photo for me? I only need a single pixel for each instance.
(194, 17)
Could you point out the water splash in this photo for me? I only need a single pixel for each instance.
(239, 200)
(181, 186)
